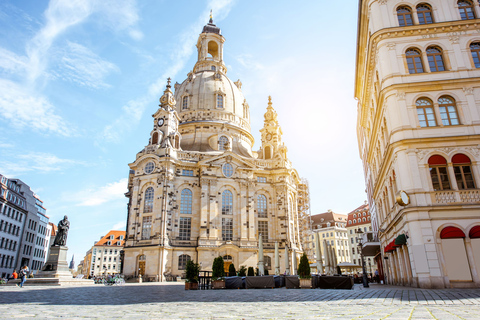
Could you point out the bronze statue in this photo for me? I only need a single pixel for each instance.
(62, 232)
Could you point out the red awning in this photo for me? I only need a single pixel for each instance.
(451, 232)
(475, 232)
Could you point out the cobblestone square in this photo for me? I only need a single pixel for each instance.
(171, 301)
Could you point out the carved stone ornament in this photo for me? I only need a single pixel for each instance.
(420, 154)
(382, 1)
(468, 90)
(391, 45)
(400, 95)
(454, 39)
(473, 150)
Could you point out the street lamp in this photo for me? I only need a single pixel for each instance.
(364, 277)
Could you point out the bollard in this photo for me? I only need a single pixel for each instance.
(140, 278)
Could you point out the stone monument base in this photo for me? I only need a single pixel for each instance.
(55, 271)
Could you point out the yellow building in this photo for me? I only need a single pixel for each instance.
(197, 190)
(418, 91)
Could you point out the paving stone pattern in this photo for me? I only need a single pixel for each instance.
(171, 301)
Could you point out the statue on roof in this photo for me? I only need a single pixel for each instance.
(62, 232)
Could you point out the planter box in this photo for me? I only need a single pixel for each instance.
(191, 286)
(218, 284)
(306, 283)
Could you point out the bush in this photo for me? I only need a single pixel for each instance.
(250, 272)
(242, 272)
(218, 271)
(304, 268)
(191, 272)
(231, 271)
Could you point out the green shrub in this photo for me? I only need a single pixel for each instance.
(191, 272)
(218, 269)
(304, 268)
(231, 271)
(250, 272)
(242, 272)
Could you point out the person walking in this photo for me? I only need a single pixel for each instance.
(23, 276)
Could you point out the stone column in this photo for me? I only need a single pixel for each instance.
(204, 205)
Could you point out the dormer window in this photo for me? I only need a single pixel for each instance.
(222, 142)
(214, 68)
(119, 243)
(121, 237)
(185, 103)
(112, 237)
(219, 101)
(109, 243)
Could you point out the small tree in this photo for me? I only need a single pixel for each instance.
(191, 272)
(242, 272)
(304, 268)
(231, 271)
(218, 269)
(250, 272)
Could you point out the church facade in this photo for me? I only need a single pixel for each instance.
(197, 190)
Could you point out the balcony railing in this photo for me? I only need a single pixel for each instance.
(456, 197)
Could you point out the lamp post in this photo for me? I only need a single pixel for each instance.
(364, 277)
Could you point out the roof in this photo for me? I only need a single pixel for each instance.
(358, 212)
(322, 219)
(54, 229)
(211, 28)
(113, 242)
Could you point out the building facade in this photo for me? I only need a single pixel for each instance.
(197, 190)
(105, 255)
(418, 91)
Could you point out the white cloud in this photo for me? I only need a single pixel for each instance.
(120, 15)
(22, 107)
(97, 196)
(34, 161)
(84, 67)
(11, 62)
(121, 225)
(134, 109)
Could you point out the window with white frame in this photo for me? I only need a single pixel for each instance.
(227, 229)
(263, 230)
(148, 202)
(262, 206)
(186, 202)
(146, 227)
(219, 101)
(227, 202)
(185, 103)
(184, 228)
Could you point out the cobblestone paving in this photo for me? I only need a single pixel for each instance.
(171, 301)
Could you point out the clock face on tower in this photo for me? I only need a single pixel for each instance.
(160, 122)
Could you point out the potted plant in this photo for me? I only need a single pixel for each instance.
(231, 271)
(242, 272)
(218, 273)
(304, 272)
(250, 272)
(191, 275)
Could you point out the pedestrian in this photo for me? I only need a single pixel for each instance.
(23, 276)
(14, 275)
(377, 276)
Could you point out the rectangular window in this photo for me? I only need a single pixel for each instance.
(439, 177)
(227, 229)
(185, 103)
(185, 227)
(219, 101)
(263, 230)
(188, 173)
(146, 227)
(426, 117)
(464, 177)
(351, 240)
(261, 179)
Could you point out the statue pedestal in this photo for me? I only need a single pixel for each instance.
(56, 272)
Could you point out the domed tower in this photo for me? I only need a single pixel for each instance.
(214, 115)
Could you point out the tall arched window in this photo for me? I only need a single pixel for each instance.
(186, 202)
(262, 206)
(404, 15)
(466, 9)
(219, 101)
(155, 138)
(148, 203)
(227, 202)
(448, 111)
(182, 261)
(185, 103)
(221, 142)
(424, 13)
(414, 61)
(426, 116)
(435, 59)
(462, 167)
(475, 49)
(439, 173)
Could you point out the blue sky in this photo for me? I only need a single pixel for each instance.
(79, 81)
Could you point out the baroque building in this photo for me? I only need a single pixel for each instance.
(197, 190)
(418, 91)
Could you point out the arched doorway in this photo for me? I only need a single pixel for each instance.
(455, 256)
(141, 264)
(227, 261)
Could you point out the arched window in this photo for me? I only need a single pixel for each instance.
(227, 202)
(465, 7)
(185, 103)
(462, 167)
(354, 215)
(186, 202)
(475, 49)
(221, 142)
(227, 257)
(148, 203)
(448, 111)
(349, 221)
(182, 261)
(214, 68)
(426, 116)
(364, 219)
(155, 138)
(267, 262)
(404, 15)
(424, 13)
(354, 220)
(262, 206)
(268, 152)
(414, 61)
(219, 101)
(438, 173)
(435, 59)
(177, 141)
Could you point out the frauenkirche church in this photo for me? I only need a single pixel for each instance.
(197, 190)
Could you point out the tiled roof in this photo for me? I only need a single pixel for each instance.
(113, 242)
(329, 216)
(54, 229)
(358, 212)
